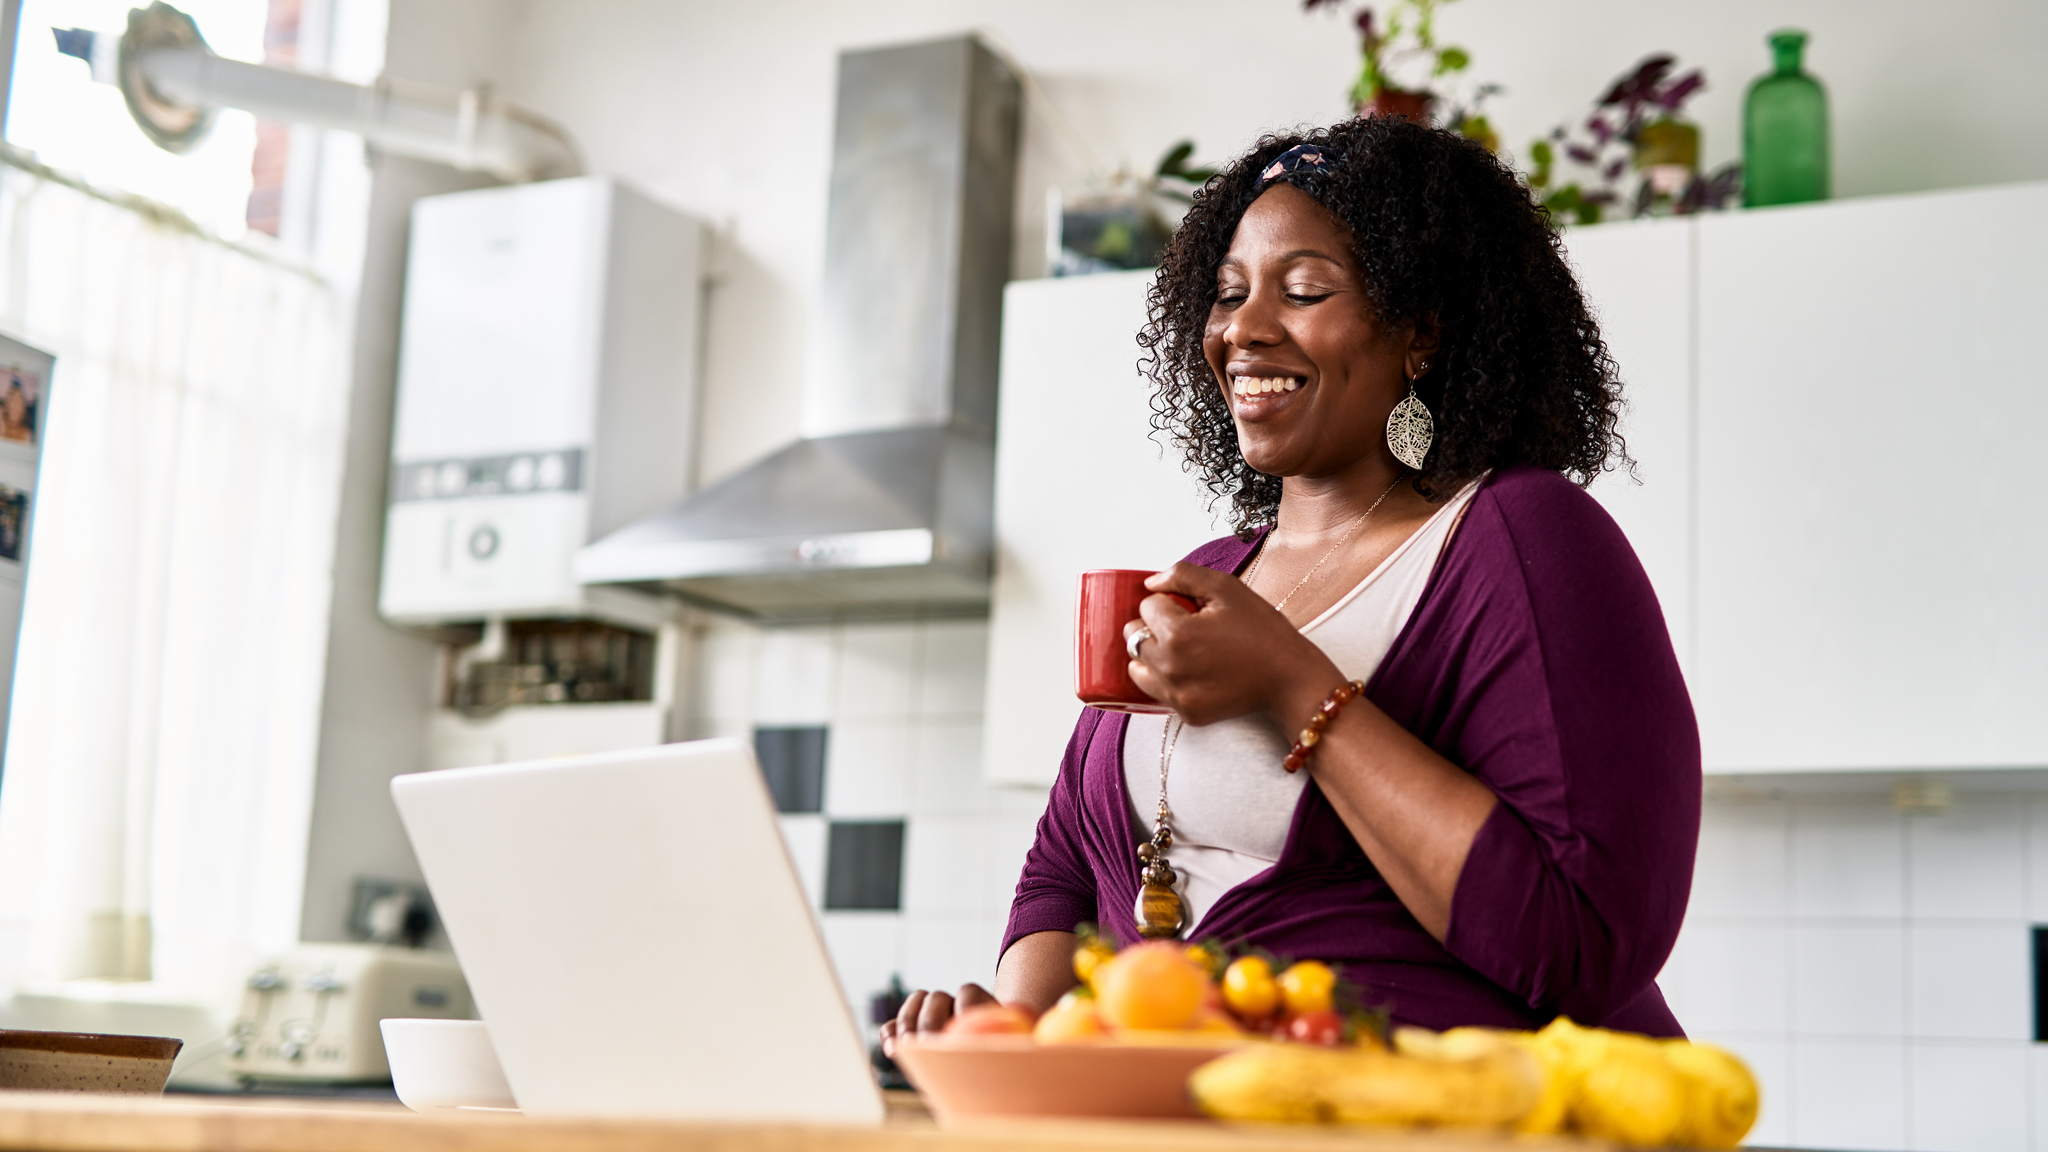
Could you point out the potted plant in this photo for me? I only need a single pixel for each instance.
(1401, 63)
(1126, 224)
(1636, 125)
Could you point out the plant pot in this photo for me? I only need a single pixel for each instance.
(1668, 143)
(1110, 233)
(1399, 102)
(1667, 152)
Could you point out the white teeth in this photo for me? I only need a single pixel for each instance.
(1261, 385)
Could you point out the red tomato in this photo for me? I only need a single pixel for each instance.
(1321, 1027)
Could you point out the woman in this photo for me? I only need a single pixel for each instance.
(1501, 829)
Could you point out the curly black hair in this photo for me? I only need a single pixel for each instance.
(1442, 231)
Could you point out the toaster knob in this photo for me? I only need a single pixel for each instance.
(267, 980)
(320, 982)
(297, 1037)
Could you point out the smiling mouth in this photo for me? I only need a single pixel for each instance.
(1264, 385)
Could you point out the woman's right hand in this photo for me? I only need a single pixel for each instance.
(1032, 974)
(1234, 656)
(929, 1013)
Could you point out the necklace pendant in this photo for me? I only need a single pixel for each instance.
(1161, 914)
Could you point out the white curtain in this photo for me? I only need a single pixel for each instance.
(158, 776)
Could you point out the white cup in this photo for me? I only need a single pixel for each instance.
(437, 1064)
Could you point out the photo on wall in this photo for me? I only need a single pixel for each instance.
(13, 522)
(19, 404)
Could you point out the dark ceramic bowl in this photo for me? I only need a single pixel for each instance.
(85, 1062)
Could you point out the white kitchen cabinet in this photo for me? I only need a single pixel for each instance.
(1080, 484)
(1835, 410)
(1873, 509)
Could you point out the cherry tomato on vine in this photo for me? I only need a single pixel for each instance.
(1319, 1027)
(1249, 988)
(1309, 986)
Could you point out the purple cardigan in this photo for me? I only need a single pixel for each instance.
(1538, 660)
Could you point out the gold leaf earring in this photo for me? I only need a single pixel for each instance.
(1410, 428)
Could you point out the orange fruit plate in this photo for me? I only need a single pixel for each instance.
(964, 1077)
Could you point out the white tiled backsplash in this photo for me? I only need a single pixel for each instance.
(1873, 968)
(903, 704)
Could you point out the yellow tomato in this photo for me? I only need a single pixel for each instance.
(1204, 957)
(1216, 1022)
(1249, 989)
(1089, 956)
(1309, 986)
(1071, 1021)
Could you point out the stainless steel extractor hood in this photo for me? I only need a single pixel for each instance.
(885, 507)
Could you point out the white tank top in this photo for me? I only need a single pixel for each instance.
(1232, 802)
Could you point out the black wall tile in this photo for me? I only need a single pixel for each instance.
(2041, 983)
(864, 866)
(793, 760)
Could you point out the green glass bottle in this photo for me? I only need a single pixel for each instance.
(1785, 131)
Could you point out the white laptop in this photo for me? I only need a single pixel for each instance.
(637, 938)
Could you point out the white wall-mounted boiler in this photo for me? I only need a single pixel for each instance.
(547, 394)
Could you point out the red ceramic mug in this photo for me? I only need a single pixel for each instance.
(1108, 599)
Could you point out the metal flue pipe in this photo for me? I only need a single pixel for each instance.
(469, 130)
(173, 82)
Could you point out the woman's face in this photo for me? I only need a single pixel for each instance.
(1310, 373)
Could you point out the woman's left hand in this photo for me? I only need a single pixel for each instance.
(1233, 656)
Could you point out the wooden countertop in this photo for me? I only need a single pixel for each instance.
(69, 1122)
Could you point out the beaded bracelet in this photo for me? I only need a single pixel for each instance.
(1305, 744)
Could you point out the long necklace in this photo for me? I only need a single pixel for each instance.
(1318, 566)
(1161, 912)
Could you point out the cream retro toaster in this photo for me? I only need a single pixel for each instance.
(311, 1014)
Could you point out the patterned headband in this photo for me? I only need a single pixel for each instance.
(1298, 158)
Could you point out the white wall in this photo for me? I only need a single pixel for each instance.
(725, 110)
(1922, 96)
(380, 681)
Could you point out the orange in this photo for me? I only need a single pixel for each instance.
(1151, 985)
(1249, 988)
(1309, 986)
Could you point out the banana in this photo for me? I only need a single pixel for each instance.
(1276, 1083)
(1492, 1086)
(1721, 1096)
(1553, 1107)
(1609, 1085)
(1630, 1094)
